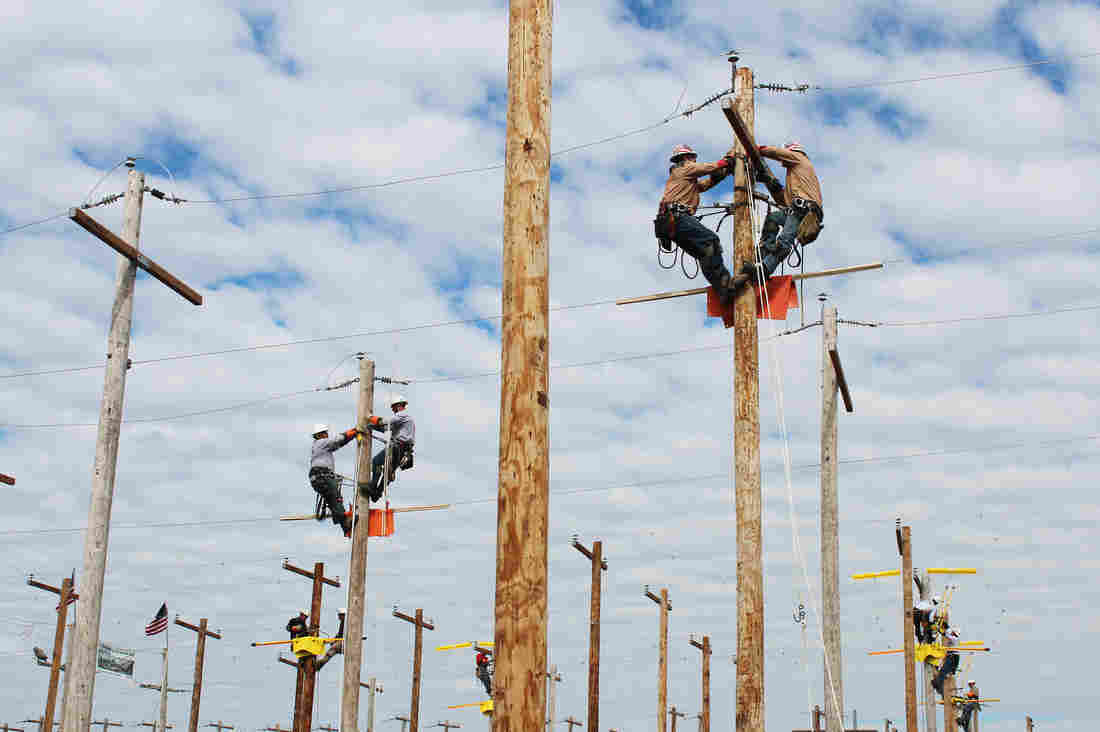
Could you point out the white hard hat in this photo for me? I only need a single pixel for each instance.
(971, 682)
(342, 611)
(398, 399)
(319, 428)
(679, 151)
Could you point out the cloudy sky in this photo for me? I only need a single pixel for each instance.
(978, 190)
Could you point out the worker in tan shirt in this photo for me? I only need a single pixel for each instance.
(802, 197)
(676, 221)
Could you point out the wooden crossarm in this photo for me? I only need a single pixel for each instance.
(114, 241)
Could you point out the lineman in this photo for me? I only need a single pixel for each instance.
(402, 440)
(482, 660)
(950, 662)
(970, 706)
(924, 616)
(296, 626)
(322, 472)
(802, 198)
(676, 221)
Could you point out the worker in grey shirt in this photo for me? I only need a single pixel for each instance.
(322, 472)
(402, 438)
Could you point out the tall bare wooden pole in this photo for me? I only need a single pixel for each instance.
(357, 580)
(595, 557)
(86, 636)
(830, 541)
(662, 655)
(519, 694)
(200, 659)
(905, 546)
(704, 716)
(746, 446)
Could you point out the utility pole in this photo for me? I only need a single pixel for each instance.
(554, 679)
(303, 713)
(418, 651)
(156, 725)
(519, 698)
(108, 723)
(662, 657)
(746, 432)
(704, 716)
(830, 541)
(86, 634)
(67, 596)
(949, 723)
(373, 687)
(595, 557)
(1029, 723)
(447, 725)
(200, 655)
(357, 570)
(905, 548)
(572, 722)
(674, 714)
(924, 587)
(219, 726)
(300, 676)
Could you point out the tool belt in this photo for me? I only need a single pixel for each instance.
(664, 226)
(404, 456)
(812, 221)
(317, 472)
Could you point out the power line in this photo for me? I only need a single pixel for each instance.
(972, 318)
(34, 223)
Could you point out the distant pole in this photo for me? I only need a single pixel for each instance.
(662, 655)
(86, 637)
(357, 571)
(447, 725)
(200, 657)
(674, 714)
(307, 667)
(595, 558)
(524, 465)
(830, 541)
(746, 445)
(107, 724)
(372, 688)
(704, 716)
(420, 624)
(1029, 723)
(554, 678)
(905, 546)
(573, 722)
(164, 686)
(219, 726)
(66, 596)
(404, 722)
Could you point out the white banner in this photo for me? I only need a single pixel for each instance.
(118, 661)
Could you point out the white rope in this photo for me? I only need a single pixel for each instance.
(777, 377)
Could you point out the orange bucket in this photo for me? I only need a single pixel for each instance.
(380, 522)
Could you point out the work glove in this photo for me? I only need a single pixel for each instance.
(730, 162)
(351, 433)
(374, 421)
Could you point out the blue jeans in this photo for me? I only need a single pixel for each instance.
(703, 244)
(776, 246)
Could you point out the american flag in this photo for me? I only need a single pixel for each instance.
(159, 621)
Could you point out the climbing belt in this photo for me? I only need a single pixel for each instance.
(756, 224)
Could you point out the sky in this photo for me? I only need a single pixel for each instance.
(944, 150)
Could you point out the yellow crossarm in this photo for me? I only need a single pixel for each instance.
(951, 570)
(963, 700)
(270, 643)
(465, 706)
(468, 644)
(876, 575)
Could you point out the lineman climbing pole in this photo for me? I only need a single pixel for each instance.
(357, 571)
(519, 694)
(81, 674)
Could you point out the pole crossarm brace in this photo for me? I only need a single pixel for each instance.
(703, 290)
(657, 599)
(308, 574)
(112, 240)
(411, 619)
(7, 479)
(742, 131)
(841, 382)
(49, 588)
(587, 552)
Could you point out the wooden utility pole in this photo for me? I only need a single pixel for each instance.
(86, 633)
(420, 624)
(107, 724)
(303, 712)
(924, 587)
(7, 479)
(200, 655)
(219, 726)
(67, 596)
(674, 714)
(704, 716)
(595, 558)
(1029, 723)
(299, 677)
(905, 547)
(949, 723)
(572, 722)
(156, 725)
(519, 694)
(662, 655)
(554, 678)
(357, 580)
(373, 687)
(830, 541)
(746, 432)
